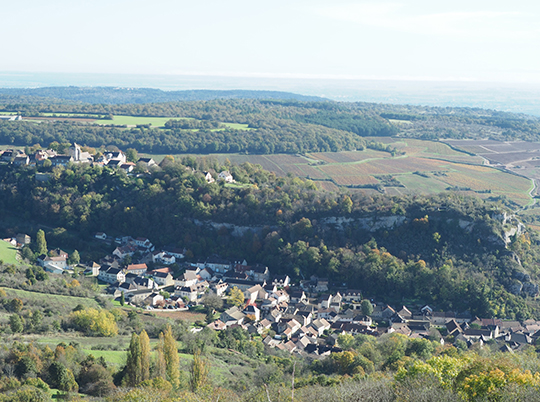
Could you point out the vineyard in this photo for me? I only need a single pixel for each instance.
(419, 167)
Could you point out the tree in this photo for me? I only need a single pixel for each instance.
(41, 243)
(122, 299)
(74, 258)
(367, 307)
(144, 340)
(62, 377)
(212, 302)
(237, 296)
(133, 361)
(15, 305)
(199, 372)
(15, 323)
(160, 368)
(170, 354)
(132, 155)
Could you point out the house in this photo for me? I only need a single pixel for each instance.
(58, 253)
(259, 273)
(144, 283)
(232, 316)
(453, 328)
(187, 292)
(288, 327)
(217, 325)
(123, 251)
(253, 311)
(208, 177)
(100, 236)
(7, 155)
(163, 278)
(154, 299)
(322, 285)
(352, 296)
(325, 301)
(242, 284)
(254, 293)
(219, 288)
(21, 160)
(298, 296)
(164, 258)
(218, 265)
(111, 275)
(53, 263)
(92, 269)
(226, 176)
(137, 269)
(143, 242)
(114, 156)
(320, 325)
(281, 281)
(178, 253)
(23, 239)
(147, 162)
(188, 278)
(130, 278)
(127, 167)
(207, 274)
(61, 160)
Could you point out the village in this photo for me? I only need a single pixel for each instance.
(306, 318)
(115, 159)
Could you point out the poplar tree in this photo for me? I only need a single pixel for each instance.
(170, 354)
(144, 341)
(41, 243)
(199, 372)
(134, 361)
(160, 369)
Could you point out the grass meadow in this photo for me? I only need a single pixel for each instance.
(8, 253)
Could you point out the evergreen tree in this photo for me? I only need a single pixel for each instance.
(15, 323)
(74, 258)
(170, 354)
(122, 299)
(144, 340)
(41, 243)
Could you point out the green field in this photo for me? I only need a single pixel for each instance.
(135, 120)
(438, 168)
(130, 121)
(8, 253)
(66, 303)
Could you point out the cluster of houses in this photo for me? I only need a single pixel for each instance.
(115, 159)
(304, 319)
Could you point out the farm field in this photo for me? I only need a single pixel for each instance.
(438, 168)
(8, 253)
(130, 121)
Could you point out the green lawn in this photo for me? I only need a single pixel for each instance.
(134, 120)
(8, 253)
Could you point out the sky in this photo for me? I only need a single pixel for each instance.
(474, 40)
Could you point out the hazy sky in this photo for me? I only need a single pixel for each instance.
(412, 39)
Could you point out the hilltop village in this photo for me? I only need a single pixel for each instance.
(115, 159)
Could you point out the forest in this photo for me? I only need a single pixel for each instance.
(292, 226)
(275, 126)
